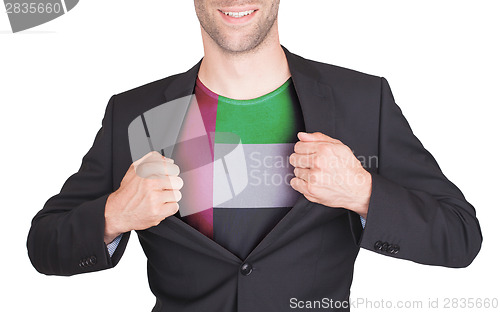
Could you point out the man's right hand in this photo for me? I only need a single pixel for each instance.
(148, 193)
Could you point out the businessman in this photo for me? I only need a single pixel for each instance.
(286, 230)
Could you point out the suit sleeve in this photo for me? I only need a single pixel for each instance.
(67, 236)
(415, 212)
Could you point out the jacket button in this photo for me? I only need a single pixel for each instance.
(246, 269)
(378, 245)
(93, 260)
(390, 249)
(83, 263)
(395, 249)
(384, 246)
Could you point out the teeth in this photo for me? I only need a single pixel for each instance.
(239, 14)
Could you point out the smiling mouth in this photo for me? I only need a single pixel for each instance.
(238, 14)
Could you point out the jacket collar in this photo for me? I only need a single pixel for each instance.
(315, 95)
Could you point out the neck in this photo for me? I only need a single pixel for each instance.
(244, 75)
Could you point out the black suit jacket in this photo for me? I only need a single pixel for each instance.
(415, 212)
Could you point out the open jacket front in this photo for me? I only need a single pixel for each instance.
(415, 212)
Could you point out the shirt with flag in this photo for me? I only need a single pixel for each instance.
(233, 157)
(244, 191)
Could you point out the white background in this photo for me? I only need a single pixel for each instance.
(441, 59)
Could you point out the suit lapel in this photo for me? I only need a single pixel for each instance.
(317, 104)
(316, 98)
(183, 84)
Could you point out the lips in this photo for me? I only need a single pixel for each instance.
(237, 15)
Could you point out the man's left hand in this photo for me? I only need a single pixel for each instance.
(327, 172)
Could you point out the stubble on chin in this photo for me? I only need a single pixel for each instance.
(247, 44)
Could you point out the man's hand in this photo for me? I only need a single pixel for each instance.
(327, 172)
(148, 193)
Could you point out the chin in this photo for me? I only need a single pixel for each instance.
(238, 45)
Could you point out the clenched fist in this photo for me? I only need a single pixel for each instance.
(148, 193)
(327, 172)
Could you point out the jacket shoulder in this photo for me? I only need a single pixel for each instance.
(341, 76)
(153, 90)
